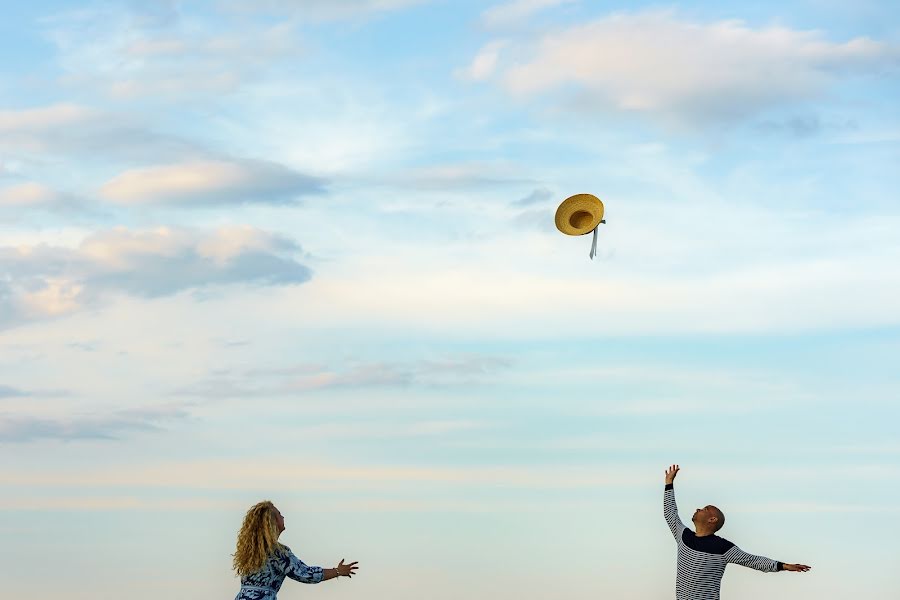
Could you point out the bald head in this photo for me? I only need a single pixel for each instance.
(708, 520)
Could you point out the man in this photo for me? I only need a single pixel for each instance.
(702, 555)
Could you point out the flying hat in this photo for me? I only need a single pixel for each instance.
(580, 214)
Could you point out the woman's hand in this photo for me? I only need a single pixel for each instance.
(798, 568)
(671, 472)
(347, 570)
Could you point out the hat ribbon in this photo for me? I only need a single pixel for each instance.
(594, 242)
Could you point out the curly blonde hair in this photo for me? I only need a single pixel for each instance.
(257, 540)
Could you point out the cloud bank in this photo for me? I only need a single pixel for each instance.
(46, 281)
(680, 71)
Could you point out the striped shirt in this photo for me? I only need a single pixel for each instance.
(702, 560)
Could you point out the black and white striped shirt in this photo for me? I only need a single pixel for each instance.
(702, 560)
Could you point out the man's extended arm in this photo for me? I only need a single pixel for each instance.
(761, 563)
(670, 509)
(745, 559)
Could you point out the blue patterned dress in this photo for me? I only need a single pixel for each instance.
(265, 583)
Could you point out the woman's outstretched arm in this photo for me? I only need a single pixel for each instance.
(342, 570)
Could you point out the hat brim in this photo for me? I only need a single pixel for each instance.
(579, 214)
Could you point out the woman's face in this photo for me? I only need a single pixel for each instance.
(279, 520)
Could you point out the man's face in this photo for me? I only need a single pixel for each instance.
(703, 515)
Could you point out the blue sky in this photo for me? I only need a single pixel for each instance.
(305, 251)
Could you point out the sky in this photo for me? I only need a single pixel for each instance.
(304, 250)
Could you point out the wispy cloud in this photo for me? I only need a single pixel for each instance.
(485, 63)
(134, 52)
(28, 194)
(460, 370)
(114, 425)
(460, 176)
(88, 134)
(813, 507)
(252, 474)
(804, 126)
(496, 301)
(322, 9)
(517, 11)
(11, 392)
(203, 502)
(236, 474)
(211, 183)
(682, 71)
(107, 502)
(44, 119)
(538, 196)
(346, 429)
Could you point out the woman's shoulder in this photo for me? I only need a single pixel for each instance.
(281, 558)
(282, 554)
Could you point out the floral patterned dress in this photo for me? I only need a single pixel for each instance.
(265, 583)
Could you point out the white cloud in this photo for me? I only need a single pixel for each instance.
(30, 200)
(45, 281)
(656, 63)
(518, 10)
(458, 175)
(128, 53)
(86, 134)
(106, 502)
(56, 297)
(323, 9)
(136, 52)
(235, 474)
(236, 240)
(27, 194)
(356, 431)
(210, 183)
(11, 392)
(28, 428)
(458, 370)
(484, 64)
(705, 259)
(537, 196)
(45, 118)
(349, 125)
(254, 474)
(813, 507)
(503, 303)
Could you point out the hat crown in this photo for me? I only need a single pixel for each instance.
(579, 214)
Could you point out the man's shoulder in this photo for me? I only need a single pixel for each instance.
(710, 544)
(726, 544)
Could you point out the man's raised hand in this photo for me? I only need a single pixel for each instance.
(798, 568)
(671, 472)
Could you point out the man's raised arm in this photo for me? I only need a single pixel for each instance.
(670, 509)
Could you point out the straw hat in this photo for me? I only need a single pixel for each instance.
(579, 214)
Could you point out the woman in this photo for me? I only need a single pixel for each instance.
(263, 563)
